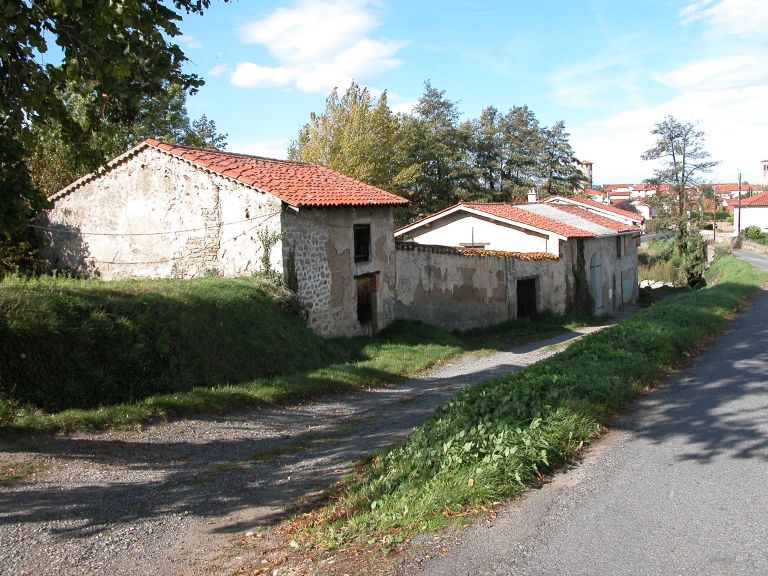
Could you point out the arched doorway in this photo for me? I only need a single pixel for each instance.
(596, 282)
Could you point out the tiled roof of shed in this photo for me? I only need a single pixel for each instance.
(296, 183)
(519, 214)
(595, 204)
(603, 221)
(571, 222)
(756, 200)
(578, 219)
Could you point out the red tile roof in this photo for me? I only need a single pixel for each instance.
(295, 183)
(614, 225)
(515, 214)
(598, 205)
(727, 188)
(756, 200)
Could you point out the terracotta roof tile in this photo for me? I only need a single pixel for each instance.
(603, 221)
(516, 214)
(756, 200)
(599, 205)
(296, 183)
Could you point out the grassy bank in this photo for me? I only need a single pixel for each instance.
(82, 343)
(500, 436)
(660, 262)
(83, 355)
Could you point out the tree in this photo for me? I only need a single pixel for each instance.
(441, 147)
(523, 146)
(487, 152)
(359, 136)
(559, 171)
(680, 147)
(118, 52)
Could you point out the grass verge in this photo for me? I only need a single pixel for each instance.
(402, 350)
(502, 435)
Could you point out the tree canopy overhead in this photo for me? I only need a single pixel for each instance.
(119, 52)
(54, 160)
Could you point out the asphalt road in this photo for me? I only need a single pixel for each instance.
(679, 486)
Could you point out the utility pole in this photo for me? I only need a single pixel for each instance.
(738, 229)
(714, 217)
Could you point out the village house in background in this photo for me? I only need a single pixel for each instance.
(752, 212)
(638, 195)
(549, 235)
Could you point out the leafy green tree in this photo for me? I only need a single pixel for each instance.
(487, 152)
(120, 52)
(357, 135)
(559, 172)
(680, 148)
(441, 147)
(523, 147)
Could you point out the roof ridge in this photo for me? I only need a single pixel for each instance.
(159, 144)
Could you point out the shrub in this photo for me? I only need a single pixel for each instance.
(754, 233)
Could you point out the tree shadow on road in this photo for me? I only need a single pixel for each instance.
(718, 407)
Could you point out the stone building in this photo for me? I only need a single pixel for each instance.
(551, 234)
(174, 211)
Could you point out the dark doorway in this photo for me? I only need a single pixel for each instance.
(366, 291)
(526, 298)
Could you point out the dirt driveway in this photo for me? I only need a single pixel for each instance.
(175, 498)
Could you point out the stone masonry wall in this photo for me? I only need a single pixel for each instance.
(440, 286)
(619, 274)
(154, 215)
(322, 242)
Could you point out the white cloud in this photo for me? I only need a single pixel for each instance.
(748, 17)
(312, 30)
(250, 75)
(266, 148)
(189, 41)
(595, 82)
(218, 70)
(318, 45)
(718, 73)
(732, 119)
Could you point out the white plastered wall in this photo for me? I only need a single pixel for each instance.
(462, 229)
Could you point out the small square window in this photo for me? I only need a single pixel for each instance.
(362, 234)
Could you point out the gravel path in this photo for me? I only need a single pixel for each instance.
(176, 497)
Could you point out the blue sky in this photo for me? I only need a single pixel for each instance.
(609, 68)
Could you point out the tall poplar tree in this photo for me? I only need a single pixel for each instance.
(357, 135)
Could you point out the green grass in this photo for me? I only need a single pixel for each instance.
(500, 436)
(660, 262)
(84, 343)
(88, 355)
